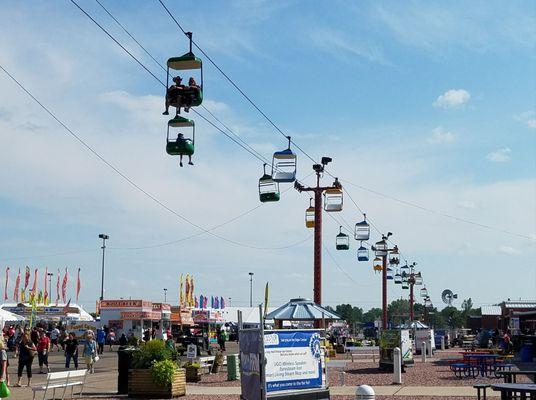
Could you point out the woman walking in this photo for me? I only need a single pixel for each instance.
(90, 350)
(71, 351)
(26, 352)
(43, 348)
(4, 363)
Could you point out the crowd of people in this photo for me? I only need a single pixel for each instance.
(26, 343)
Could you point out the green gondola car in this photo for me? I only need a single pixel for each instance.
(183, 147)
(268, 188)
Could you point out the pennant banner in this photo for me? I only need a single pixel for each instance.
(58, 287)
(78, 285)
(5, 288)
(64, 285)
(16, 291)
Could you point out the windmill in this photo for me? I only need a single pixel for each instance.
(448, 297)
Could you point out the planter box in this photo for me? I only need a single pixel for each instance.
(141, 385)
(193, 374)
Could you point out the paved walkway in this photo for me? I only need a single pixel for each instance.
(440, 391)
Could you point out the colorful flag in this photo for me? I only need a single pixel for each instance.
(64, 285)
(22, 296)
(192, 295)
(27, 278)
(205, 302)
(40, 297)
(187, 290)
(78, 285)
(7, 280)
(222, 303)
(16, 291)
(45, 291)
(216, 302)
(196, 305)
(33, 293)
(201, 301)
(58, 287)
(181, 295)
(66, 308)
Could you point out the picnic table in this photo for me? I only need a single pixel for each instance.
(508, 390)
(483, 363)
(510, 376)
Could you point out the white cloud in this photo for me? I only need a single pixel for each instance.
(509, 250)
(336, 43)
(501, 155)
(528, 118)
(452, 98)
(440, 136)
(467, 204)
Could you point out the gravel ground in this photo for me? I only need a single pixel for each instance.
(216, 397)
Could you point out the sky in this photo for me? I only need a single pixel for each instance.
(428, 110)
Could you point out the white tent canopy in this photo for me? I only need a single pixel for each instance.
(8, 316)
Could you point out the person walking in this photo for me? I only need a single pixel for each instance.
(26, 351)
(43, 348)
(54, 337)
(111, 339)
(4, 363)
(90, 351)
(71, 351)
(101, 338)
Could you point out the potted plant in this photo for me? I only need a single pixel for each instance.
(193, 372)
(155, 373)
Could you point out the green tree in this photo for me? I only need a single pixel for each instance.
(372, 315)
(398, 311)
(349, 313)
(453, 317)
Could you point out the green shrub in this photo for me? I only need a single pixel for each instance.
(154, 350)
(162, 372)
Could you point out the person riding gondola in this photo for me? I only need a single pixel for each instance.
(183, 142)
(174, 95)
(193, 91)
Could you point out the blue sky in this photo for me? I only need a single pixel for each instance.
(429, 102)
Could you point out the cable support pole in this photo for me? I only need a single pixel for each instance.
(384, 292)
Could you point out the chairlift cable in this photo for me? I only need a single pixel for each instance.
(125, 177)
(131, 36)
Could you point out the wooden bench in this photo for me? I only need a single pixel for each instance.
(62, 380)
(206, 363)
(370, 351)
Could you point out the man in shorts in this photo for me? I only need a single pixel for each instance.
(54, 336)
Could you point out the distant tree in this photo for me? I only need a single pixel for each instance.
(453, 317)
(372, 315)
(467, 305)
(398, 311)
(350, 314)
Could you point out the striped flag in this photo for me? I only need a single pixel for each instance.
(78, 285)
(7, 280)
(58, 287)
(64, 285)
(16, 291)
(45, 291)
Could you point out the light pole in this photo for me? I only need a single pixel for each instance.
(251, 289)
(50, 274)
(318, 191)
(104, 237)
(382, 250)
(229, 302)
(165, 295)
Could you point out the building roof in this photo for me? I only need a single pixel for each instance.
(491, 310)
(520, 304)
(302, 310)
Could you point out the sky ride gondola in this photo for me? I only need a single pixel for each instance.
(390, 273)
(405, 285)
(398, 278)
(377, 265)
(181, 145)
(362, 253)
(310, 215)
(179, 95)
(418, 278)
(333, 199)
(424, 292)
(342, 241)
(362, 230)
(268, 188)
(284, 164)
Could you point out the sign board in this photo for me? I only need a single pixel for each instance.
(126, 304)
(191, 351)
(137, 315)
(250, 365)
(391, 338)
(293, 360)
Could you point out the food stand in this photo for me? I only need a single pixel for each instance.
(391, 338)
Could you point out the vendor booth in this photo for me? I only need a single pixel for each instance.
(134, 316)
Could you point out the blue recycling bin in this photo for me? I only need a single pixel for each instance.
(527, 352)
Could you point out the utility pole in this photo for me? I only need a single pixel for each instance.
(382, 250)
(165, 295)
(104, 237)
(318, 191)
(251, 289)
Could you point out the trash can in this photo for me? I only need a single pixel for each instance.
(233, 367)
(124, 361)
(527, 352)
